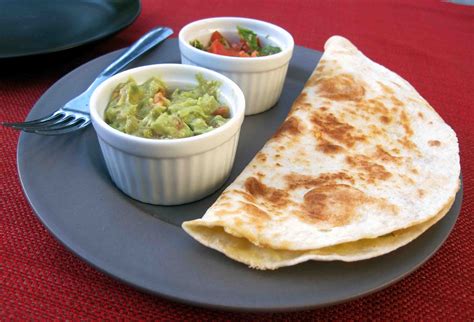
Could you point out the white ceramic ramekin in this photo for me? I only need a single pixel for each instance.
(169, 171)
(260, 78)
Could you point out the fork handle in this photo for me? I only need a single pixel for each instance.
(145, 43)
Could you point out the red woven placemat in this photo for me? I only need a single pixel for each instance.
(431, 44)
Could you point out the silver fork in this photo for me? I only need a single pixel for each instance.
(74, 115)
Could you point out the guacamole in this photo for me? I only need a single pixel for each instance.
(148, 110)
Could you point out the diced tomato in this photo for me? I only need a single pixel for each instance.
(219, 45)
(222, 111)
(216, 36)
(244, 46)
(218, 48)
(159, 98)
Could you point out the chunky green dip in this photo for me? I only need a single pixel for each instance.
(148, 111)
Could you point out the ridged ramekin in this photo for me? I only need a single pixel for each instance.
(169, 171)
(260, 78)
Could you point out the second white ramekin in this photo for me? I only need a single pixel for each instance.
(260, 78)
(169, 171)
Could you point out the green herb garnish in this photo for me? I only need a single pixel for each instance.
(197, 44)
(269, 50)
(250, 37)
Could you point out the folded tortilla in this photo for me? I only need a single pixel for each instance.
(361, 166)
(242, 250)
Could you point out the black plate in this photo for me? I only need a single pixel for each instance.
(31, 27)
(66, 182)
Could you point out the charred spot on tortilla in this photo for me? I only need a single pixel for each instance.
(254, 211)
(261, 157)
(434, 143)
(414, 171)
(248, 197)
(292, 127)
(407, 144)
(384, 156)
(342, 87)
(296, 180)
(302, 99)
(329, 148)
(396, 102)
(374, 131)
(320, 67)
(385, 119)
(373, 106)
(406, 123)
(407, 179)
(226, 204)
(330, 126)
(260, 175)
(260, 190)
(336, 205)
(374, 170)
(386, 89)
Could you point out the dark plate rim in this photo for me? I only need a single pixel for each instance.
(75, 44)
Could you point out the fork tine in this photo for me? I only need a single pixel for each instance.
(51, 122)
(39, 122)
(64, 119)
(73, 125)
(83, 125)
(60, 132)
(54, 126)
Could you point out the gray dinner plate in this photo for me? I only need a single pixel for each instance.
(67, 184)
(30, 27)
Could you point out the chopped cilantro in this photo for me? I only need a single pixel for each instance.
(197, 44)
(269, 50)
(250, 37)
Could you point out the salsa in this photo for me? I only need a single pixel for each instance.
(249, 45)
(149, 110)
